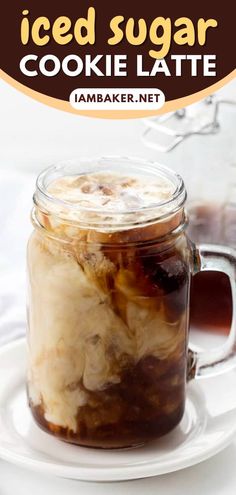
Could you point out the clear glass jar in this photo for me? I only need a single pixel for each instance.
(199, 143)
(109, 302)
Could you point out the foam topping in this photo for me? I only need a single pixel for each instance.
(112, 192)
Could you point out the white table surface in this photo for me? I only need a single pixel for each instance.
(32, 136)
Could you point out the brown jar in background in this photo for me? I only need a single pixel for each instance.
(199, 143)
(211, 298)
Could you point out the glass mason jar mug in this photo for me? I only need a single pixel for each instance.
(109, 274)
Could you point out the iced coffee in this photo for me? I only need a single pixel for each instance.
(108, 308)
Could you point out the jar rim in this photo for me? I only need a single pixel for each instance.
(111, 163)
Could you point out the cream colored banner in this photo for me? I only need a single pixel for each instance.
(169, 106)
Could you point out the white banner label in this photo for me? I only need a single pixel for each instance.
(117, 99)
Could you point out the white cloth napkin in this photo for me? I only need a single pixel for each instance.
(16, 191)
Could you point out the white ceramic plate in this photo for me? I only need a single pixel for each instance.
(208, 425)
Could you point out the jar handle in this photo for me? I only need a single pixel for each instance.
(210, 257)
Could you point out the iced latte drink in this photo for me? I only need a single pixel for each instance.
(108, 307)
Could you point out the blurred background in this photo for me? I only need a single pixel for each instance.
(200, 143)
